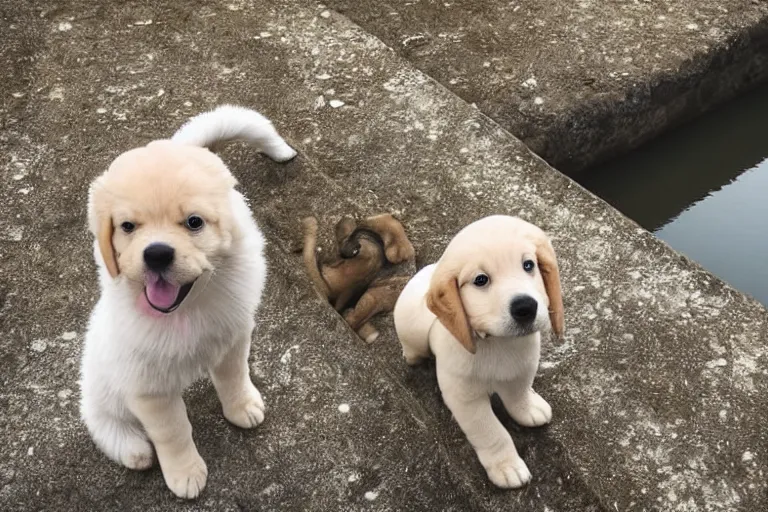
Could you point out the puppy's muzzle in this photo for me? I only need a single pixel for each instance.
(160, 293)
(523, 309)
(158, 257)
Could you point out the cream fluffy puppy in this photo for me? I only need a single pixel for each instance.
(181, 271)
(480, 310)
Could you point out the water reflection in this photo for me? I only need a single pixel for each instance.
(690, 187)
(726, 232)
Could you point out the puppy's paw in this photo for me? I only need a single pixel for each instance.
(248, 411)
(187, 481)
(137, 454)
(531, 410)
(414, 358)
(368, 333)
(509, 473)
(121, 440)
(400, 252)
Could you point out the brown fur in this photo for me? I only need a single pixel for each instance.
(550, 274)
(349, 280)
(444, 301)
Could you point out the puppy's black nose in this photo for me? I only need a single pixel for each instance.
(158, 257)
(523, 308)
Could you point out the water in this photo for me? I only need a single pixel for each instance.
(703, 189)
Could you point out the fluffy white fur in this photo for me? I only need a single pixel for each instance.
(230, 122)
(496, 356)
(135, 366)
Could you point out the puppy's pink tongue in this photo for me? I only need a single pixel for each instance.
(161, 293)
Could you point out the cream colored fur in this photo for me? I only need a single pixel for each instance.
(137, 361)
(478, 347)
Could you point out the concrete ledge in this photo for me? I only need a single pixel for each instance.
(579, 82)
(658, 391)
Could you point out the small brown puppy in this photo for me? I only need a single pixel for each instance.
(362, 251)
(380, 297)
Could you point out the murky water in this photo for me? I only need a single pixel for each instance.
(703, 188)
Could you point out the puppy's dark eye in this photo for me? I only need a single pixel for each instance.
(195, 223)
(481, 280)
(127, 227)
(529, 265)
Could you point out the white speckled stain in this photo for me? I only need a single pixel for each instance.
(39, 345)
(746, 362)
(371, 495)
(286, 357)
(271, 489)
(65, 26)
(720, 362)
(13, 233)
(336, 103)
(69, 335)
(344, 408)
(57, 93)
(354, 477)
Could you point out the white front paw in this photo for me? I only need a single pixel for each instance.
(509, 473)
(531, 411)
(187, 481)
(248, 410)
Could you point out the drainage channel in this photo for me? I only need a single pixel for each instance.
(703, 189)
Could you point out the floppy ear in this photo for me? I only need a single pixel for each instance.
(444, 301)
(106, 230)
(102, 228)
(550, 274)
(344, 229)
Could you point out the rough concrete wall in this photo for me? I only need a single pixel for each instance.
(579, 81)
(659, 389)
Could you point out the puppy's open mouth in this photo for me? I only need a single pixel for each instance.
(163, 296)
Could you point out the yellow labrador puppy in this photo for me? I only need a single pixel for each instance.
(181, 272)
(480, 310)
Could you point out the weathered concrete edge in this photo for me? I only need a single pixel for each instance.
(528, 172)
(554, 201)
(703, 83)
(610, 122)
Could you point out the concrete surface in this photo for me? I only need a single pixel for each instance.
(659, 390)
(579, 81)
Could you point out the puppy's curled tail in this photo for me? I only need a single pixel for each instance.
(309, 225)
(229, 122)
